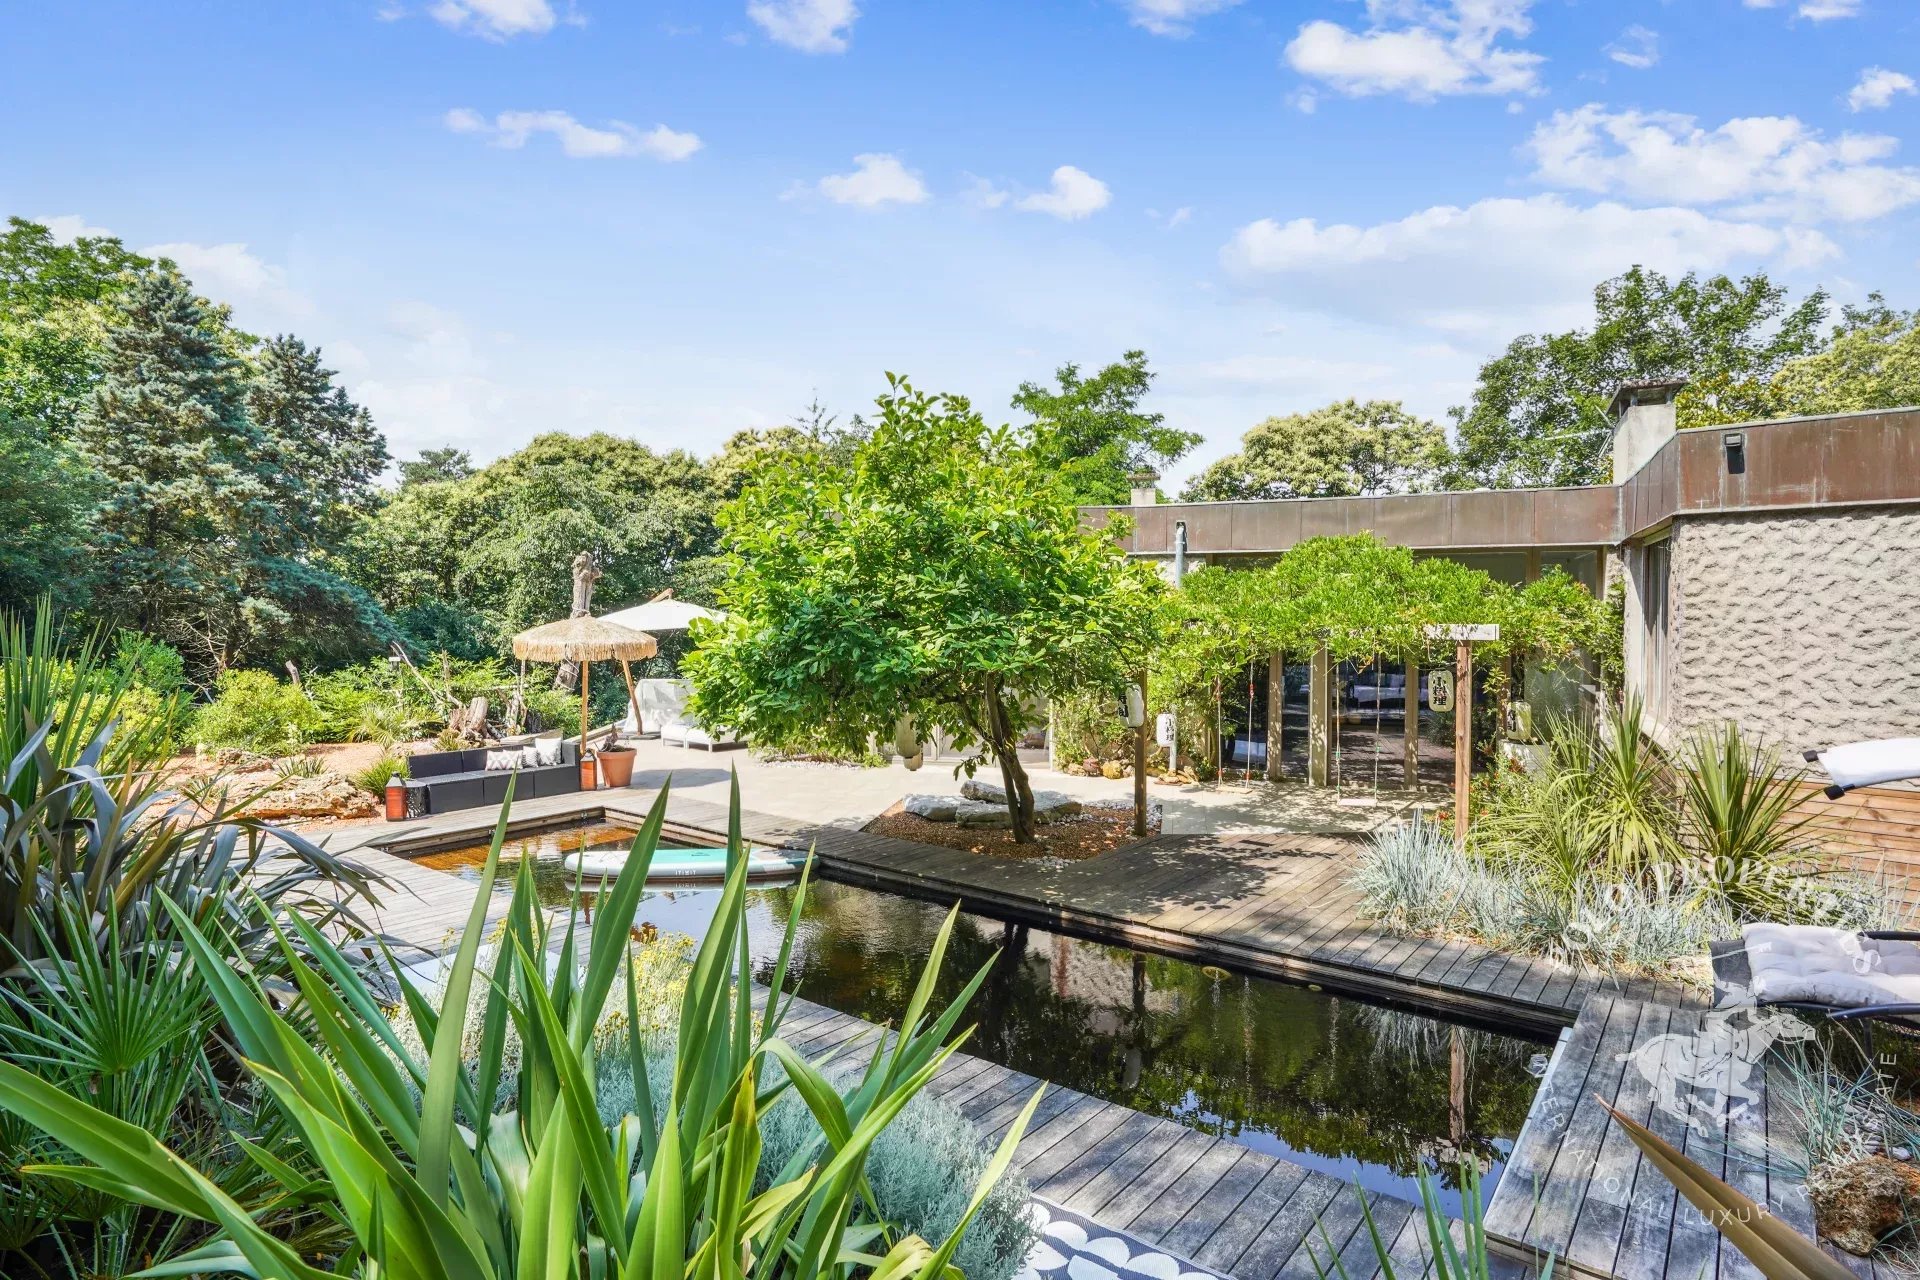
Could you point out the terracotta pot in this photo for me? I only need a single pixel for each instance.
(589, 775)
(616, 766)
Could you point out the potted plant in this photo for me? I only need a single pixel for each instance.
(616, 764)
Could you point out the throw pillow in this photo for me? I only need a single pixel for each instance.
(544, 752)
(497, 761)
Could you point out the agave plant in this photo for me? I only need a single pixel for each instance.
(433, 1176)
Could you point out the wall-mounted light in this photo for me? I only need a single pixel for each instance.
(1735, 444)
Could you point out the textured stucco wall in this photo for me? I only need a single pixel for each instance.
(1802, 626)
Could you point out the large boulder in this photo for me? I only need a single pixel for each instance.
(932, 808)
(327, 796)
(1856, 1204)
(980, 813)
(1047, 805)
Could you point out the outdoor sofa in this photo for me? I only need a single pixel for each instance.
(444, 781)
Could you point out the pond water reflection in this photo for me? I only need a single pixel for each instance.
(1349, 1087)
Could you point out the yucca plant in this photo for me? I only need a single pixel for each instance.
(87, 819)
(1745, 824)
(433, 1177)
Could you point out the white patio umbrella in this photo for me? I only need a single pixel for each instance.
(662, 613)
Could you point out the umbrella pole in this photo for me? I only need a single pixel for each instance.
(585, 667)
(633, 699)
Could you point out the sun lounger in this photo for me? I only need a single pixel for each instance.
(1848, 976)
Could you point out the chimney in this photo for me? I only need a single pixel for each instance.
(1145, 494)
(1644, 419)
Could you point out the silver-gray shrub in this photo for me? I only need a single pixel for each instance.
(923, 1167)
(1411, 876)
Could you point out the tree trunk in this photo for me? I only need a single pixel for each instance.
(1013, 775)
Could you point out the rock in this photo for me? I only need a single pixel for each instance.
(1047, 805)
(1090, 767)
(932, 808)
(980, 813)
(1855, 1204)
(989, 792)
(328, 796)
(1113, 769)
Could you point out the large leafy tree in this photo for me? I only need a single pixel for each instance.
(1346, 449)
(465, 561)
(1871, 361)
(1092, 430)
(45, 499)
(1538, 415)
(226, 483)
(943, 576)
(56, 301)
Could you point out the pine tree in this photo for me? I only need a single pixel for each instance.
(323, 449)
(168, 430)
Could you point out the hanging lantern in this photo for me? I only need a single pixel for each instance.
(914, 761)
(1133, 707)
(906, 743)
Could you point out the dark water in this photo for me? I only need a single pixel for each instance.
(1338, 1084)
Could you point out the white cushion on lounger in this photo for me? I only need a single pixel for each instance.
(1830, 966)
(1862, 764)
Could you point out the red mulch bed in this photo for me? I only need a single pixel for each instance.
(1070, 839)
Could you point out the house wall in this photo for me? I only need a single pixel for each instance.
(1803, 626)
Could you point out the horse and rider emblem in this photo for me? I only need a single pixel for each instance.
(1705, 1078)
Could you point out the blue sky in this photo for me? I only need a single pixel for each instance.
(674, 220)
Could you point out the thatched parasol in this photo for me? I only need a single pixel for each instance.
(585, 640)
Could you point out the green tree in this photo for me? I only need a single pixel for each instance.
(1871, 361)
(462, 563)
(1342, 450)
(943, 576)
(56, 301)
(45, 499)
(1093, 431)
(167, 427)
(1538, 415)
(436, 464)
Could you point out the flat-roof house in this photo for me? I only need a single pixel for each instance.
(1772, 569)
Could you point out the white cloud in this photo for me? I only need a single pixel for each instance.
(1173, 17)
(983, 194)
(513, 129)
(1179, 217)
(233, 273)
(811, 26)
(1496, 265)
(878, 178)
(1637, 47)
(1075, 194)
(1815, 10)
(68, 227)
(1770, 166)
(1877, 89)
(1421, 49)
(494, 19)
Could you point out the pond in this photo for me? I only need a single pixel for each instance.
(1339, 1084)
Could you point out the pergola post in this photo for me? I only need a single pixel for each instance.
(1320, 719)
(1276, 709)
(1410, 747)
(1463, 637)
(1140, 733)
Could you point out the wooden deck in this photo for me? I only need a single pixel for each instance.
(1281, 905)
(1576, 1186)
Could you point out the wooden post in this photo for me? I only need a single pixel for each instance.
(1462, 738)
(1410, 750)
(1319, 720)
(1276, 711)
(585, 667)
(1140, 762)
(633, 699)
